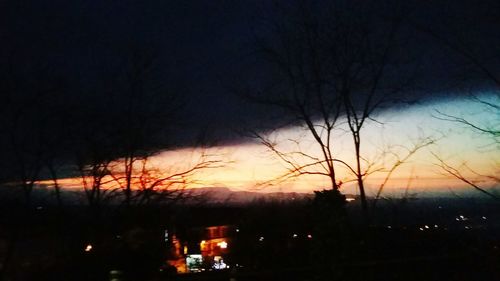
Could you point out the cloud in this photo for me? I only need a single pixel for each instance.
(66, 67)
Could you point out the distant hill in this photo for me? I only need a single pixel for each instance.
(223, 195)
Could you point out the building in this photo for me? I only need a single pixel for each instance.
(201, 248)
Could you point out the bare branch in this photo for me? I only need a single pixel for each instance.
(399, 162)
(457, 174)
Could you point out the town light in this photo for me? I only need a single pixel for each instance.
(88, 248)
(222, 245)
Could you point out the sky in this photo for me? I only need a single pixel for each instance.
(79, 76)
(251, 165)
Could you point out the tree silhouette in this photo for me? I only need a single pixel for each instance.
(332, 67)
(477, 71)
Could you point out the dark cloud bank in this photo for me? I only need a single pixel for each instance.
(156, 74)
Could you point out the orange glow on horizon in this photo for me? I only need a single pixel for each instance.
(252, 167)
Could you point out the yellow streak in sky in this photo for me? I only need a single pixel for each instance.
(248, 165)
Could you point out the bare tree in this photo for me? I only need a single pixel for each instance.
(27, 139)
(26, 123)
(477, 72)
(333, 69)
(163, 185)
(134, 113)
(148, 109)
(297, 53)
(94, 171)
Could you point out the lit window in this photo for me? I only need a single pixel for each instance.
(219, 263)
(222, 245)
(194, 263)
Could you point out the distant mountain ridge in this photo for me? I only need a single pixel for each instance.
(220, 195)
(224, 195)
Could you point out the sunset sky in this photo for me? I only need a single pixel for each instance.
(252, 163)
(69, 72)
(250, 166)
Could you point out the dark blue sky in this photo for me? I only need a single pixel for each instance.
(206, 49)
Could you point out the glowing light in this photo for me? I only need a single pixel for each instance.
(115, 274)
(185, 250)
(421, 229)
(88, 248)
(261, 239)
(219, 263)
(166, 235)
(350, 199)
(222, 245)
(426, 226)
(483, 217)
(294, 235)
(309, 236)
(194, 263)
(203, 244)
